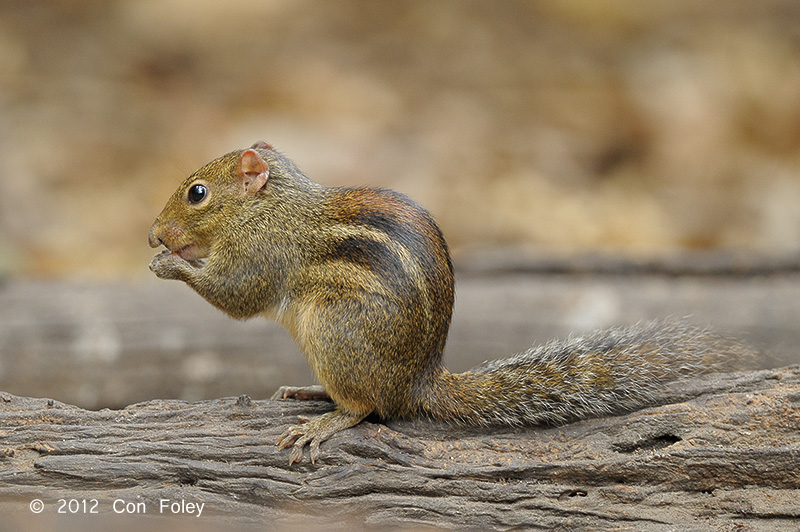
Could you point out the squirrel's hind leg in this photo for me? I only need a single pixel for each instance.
(316, 431)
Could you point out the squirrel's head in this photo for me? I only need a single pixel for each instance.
(196, 213)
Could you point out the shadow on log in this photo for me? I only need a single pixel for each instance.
(722, 453)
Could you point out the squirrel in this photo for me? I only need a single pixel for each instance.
(363, 281)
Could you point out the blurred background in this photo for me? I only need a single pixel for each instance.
(626, 129)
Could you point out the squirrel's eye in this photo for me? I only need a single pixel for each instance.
(197, 193)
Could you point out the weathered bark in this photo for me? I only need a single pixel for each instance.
(722, 453)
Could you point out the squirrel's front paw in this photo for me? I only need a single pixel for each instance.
(167, 265)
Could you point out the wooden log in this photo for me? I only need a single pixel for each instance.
(722, 452)
(110, 345)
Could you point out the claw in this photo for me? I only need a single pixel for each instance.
(297, 450)
(290, 436)
(313, 451)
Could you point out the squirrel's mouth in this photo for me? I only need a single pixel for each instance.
(192, 254)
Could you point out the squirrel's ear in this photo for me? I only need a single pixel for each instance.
(253, 170)
(263, 145)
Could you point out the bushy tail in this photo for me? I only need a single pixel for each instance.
(600, 373)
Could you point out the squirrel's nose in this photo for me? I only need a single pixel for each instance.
(153, 238)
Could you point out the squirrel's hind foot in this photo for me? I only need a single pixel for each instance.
(301, 393)
(315, 431)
